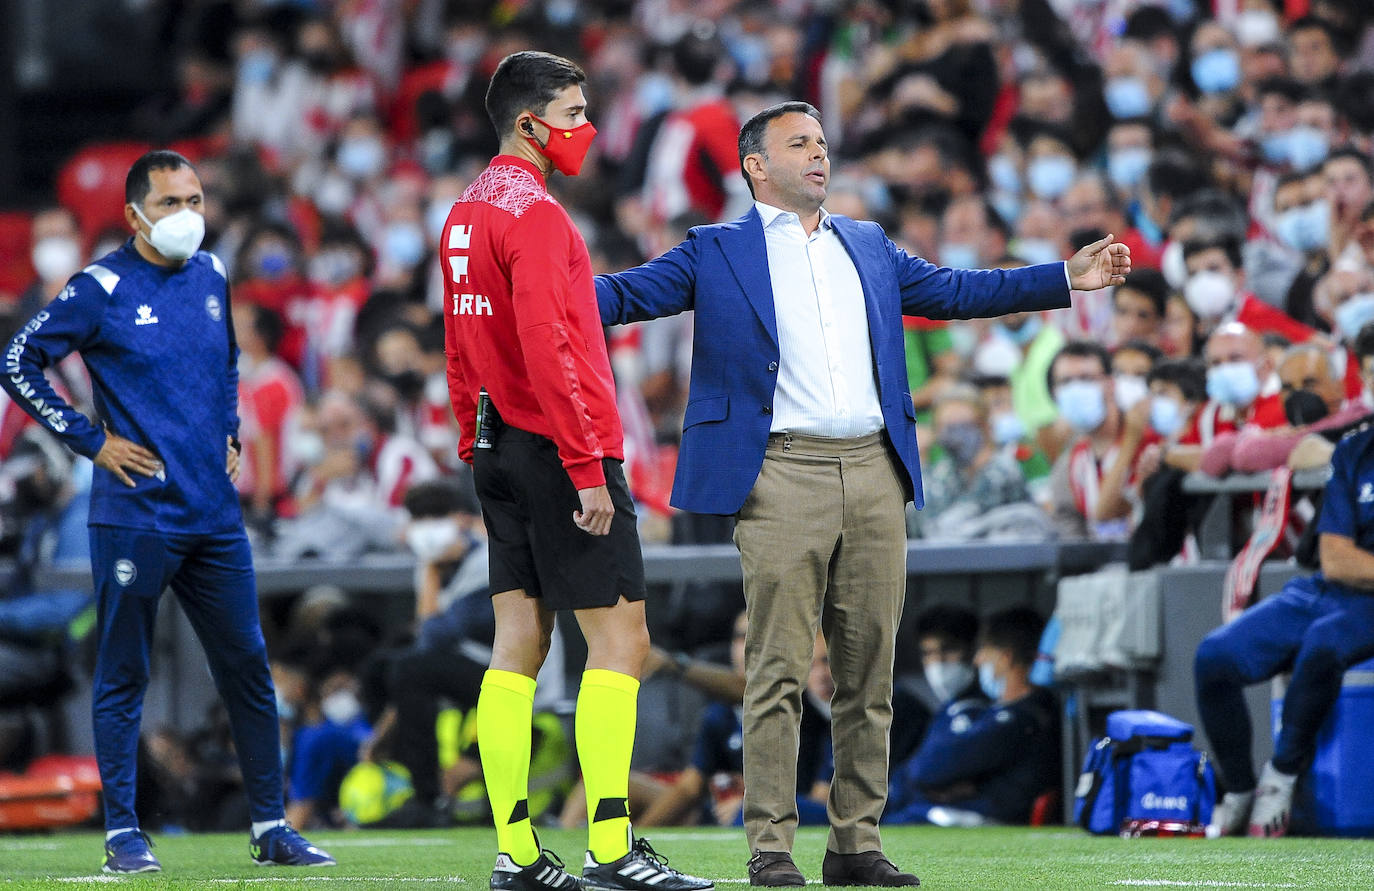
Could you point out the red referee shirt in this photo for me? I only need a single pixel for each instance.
(521, 320)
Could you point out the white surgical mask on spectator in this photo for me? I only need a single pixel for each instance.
(1126, 167)
(1209, 294)
(334, 195)
(1306, 146)
(1217, 70)
(1127, 97)
(341, 707)
(1256, 27)
(996, 357)
(56, 257)
(403, 244)
(361, 157)
(1233, 383)
(1166, 415)
(993, 686)
(176, 236)
(1293, 228)
(1081, 404)
(957, 255)
(429, 538)
(306, 447)
(1050, 176)
(1037, 250)
(1354, 314)
(1003, 174)
(1129, 390)
(1007, 428)
(948, 679)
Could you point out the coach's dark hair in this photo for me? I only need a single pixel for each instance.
(139, 183)
(1016, 630)
(751, 134)
(1082, 348)
(528, 80)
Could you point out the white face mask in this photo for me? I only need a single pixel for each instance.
(177, 236)
(341, 707)
(56, 257)
(948, 679)
(1209, 294)
(428, 539)
(1129, 390)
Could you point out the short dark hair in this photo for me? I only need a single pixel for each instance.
(441, 497)
(954, 624)
(1175, 174)
(1364, 342)
(1226, 244)
(751, 134)
(139, 182)
(1083, 349)
(1151, 283)
(528, 80)
(1189, 374)
(1150, 351)
(1016, 630)
(1353, 154)
(268, 325)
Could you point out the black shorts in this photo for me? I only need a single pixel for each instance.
(528, 502)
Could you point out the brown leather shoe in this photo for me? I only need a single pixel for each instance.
(869, 868)
(774, 869)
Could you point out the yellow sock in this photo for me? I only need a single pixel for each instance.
(606, 708)
(505, 709)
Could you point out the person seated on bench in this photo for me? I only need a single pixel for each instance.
(986, 764)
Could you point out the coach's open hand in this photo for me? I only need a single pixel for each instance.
(597, 510)
(1099, 264)
(118, 455)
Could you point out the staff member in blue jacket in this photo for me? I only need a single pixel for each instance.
(152, 323)
(799, 422)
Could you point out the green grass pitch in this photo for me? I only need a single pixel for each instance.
(991, 859)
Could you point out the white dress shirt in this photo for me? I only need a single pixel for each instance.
(825, 377)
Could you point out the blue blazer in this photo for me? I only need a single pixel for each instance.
(721, 271)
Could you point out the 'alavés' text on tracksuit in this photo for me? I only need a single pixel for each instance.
(159, 345)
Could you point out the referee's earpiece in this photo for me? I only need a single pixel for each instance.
(527, 127)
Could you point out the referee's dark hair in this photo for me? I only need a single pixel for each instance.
(139, 183)
(751, 134)
(528, 81)
(1016, 630)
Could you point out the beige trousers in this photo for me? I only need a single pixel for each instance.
(822, 540)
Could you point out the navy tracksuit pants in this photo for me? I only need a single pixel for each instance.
(212, 577)
(1312, 627)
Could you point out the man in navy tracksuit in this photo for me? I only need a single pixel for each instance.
(1316, 627)
(152, 323)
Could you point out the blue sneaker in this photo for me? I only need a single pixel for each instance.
(284, 846)
(127, 853)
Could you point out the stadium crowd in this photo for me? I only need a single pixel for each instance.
(1228, 143)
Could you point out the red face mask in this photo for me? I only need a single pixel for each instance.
(566, 148)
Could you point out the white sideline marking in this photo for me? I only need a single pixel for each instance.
(1208, 883)
(90, 880)
(387, 880)
(19, 845)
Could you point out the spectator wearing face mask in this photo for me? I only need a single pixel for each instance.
(1216, 292)
(268, 273)
(56, 256)
(986, 764)
(1313, 402)
(1349, 190)
(324, 748)
(1007, 431)
(1092, 483)
(946, 635)
(1302, 223)
(1237, 368)
(1178, 390)
(972, 476)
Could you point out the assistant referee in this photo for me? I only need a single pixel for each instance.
(532, 391)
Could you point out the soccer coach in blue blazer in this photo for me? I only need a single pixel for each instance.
(799, 422)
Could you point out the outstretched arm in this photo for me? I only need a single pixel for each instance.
(665, 286)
